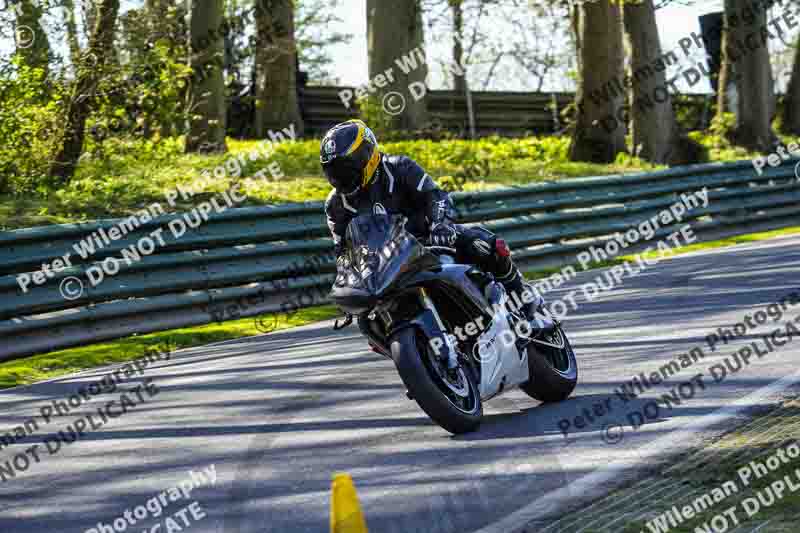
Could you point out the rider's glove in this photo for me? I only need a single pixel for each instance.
(443, 234)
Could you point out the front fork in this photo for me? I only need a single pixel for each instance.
(427, 320)
(443, 339)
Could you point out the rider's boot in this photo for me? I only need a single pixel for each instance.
(515, 284)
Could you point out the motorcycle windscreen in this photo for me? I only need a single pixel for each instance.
(379, 251)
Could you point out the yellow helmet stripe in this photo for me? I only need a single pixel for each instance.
(372, 165)
(359, 139)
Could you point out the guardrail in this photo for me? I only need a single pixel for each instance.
(274, 258)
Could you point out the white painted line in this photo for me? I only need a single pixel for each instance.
(557, 499)
(762, 526)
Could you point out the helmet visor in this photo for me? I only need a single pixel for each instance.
(344, 174)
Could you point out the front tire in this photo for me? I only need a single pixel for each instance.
(421, 372)
(554, 371)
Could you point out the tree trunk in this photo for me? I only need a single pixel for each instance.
(89, 73)
(30, 38)
(653, 125)
(791, 103)
(600, 123)
(460, 84)
(277, 103)
(459, 75)
(396, 46)
(746, 84)
(89, 17)
(72, 32)
(207, 107)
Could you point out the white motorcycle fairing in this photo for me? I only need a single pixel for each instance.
(503, 365)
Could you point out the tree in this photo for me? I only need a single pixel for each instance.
(89, 73)
(167, 38)
(526, 41)
(653, 125)
(157, 14)
(31, 40)
(89, 12)
(396, 44)
(459, 75)
(599, 130)
(237, 13)
(151, 83)
(72, 31)
(791, 102)
(746, 86)
(315, 38)
(458, 68)
(207, 107)
(277, 104)
(538, 41)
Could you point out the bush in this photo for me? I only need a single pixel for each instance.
(446, 157)
(30, 107)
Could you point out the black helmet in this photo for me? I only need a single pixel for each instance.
(349, 156)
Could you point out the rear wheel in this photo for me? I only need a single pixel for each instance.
(452, 402)
(554, 369)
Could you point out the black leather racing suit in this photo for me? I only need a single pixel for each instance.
(402, 186)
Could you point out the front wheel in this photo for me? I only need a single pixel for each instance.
(554, 370)
(454, 404)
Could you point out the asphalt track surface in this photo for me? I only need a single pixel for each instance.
(278, 414)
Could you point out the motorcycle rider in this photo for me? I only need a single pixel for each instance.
(367, 181)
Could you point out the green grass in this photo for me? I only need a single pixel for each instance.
(708, 245)
(39, 367)
(720, 243)
(118, 177)
(53, 364)
(717, 463)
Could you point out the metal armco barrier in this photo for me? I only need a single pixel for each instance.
(249, 261)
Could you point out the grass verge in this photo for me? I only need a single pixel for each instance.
(39, 367)
(728, 241)
(53, 364)
(119, 176)
(655, 254)
(717, 484)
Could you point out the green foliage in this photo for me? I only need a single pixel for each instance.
(717, 140)
(123, 175)
(30, 107)
(144, 98)
(689, 109)
(723, 126)
(454, 157)
(142, 95)
(119, 176)
(627, 160)
(372, 113)
(37, 53)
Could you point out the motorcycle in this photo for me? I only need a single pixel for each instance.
(451, 329)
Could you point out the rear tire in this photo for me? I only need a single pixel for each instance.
(414, 362)
(554, 372)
